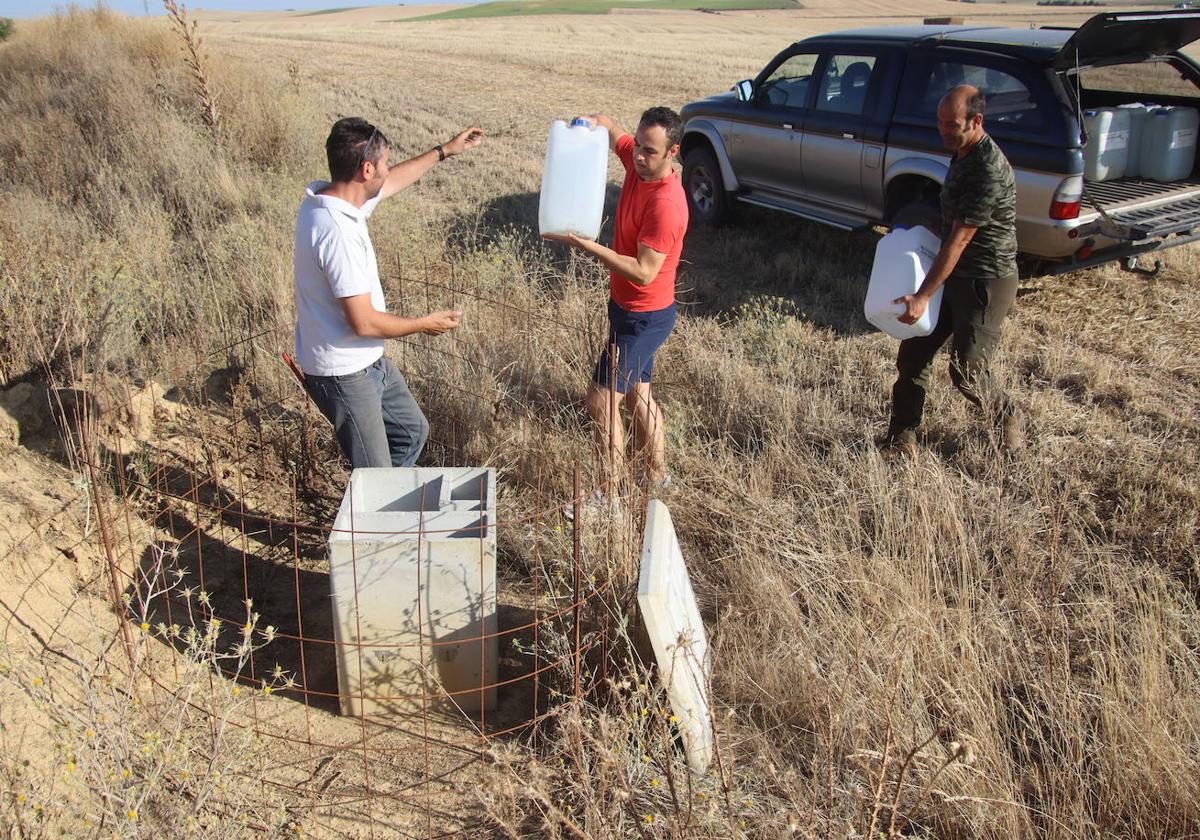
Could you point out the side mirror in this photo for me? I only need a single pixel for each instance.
(744, 90)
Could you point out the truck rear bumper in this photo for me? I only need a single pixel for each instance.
(1138, 217)
(1120, 252)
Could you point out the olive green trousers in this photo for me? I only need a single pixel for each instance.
(972, 312)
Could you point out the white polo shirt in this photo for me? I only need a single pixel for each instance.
(333, 259)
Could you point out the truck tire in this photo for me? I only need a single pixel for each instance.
(708, 203)
(919, 211)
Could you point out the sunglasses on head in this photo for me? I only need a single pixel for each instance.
(366, 149)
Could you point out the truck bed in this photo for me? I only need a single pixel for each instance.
(1144, 209)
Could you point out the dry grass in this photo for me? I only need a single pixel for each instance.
(130, 759)
(965, 646)
(122, 225)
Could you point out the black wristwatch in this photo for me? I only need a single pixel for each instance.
(441, 152)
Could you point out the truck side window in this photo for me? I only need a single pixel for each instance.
(844, 84)
(1009, 101)
(788, 83)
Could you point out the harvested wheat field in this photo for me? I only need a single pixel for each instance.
(968, 644)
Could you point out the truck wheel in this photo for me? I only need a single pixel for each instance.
(918, 212)
(708, 203)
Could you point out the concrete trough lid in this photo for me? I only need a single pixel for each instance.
(392, 490)
(676, 633)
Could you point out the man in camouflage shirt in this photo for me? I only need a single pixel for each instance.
(977, 263)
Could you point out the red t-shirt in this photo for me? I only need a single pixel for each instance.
(653, 213)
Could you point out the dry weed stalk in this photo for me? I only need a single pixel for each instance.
(293, 71)
(197, 62)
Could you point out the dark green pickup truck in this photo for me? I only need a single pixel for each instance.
(841, 128)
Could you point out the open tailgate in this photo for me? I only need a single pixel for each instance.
(1118, 37)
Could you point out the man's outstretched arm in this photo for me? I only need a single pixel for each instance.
(641, 269)
(369, 322)
(403, 175)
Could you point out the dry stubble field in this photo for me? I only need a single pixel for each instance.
(964, 646)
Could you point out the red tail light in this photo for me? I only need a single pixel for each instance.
(1068, 199)
(1063, 210)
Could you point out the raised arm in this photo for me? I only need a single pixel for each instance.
(614, 131)
(403, 175)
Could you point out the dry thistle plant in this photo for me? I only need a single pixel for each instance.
(197, 62)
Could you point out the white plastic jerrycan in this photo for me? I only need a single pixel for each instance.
(1139, 112)
(572, 199)
(1168, 150)
(902, 259)
(1106, 153)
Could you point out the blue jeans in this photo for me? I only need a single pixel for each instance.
(375, 418)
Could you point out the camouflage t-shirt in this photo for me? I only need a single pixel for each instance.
(980, 191)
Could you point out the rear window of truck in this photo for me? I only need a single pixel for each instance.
(1009, 101)
(1159, 77)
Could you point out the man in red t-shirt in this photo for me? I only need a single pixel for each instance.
(651, 221)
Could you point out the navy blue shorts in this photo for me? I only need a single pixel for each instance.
(637, 336)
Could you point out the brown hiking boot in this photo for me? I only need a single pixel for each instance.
(898, 446)
(1012, 433)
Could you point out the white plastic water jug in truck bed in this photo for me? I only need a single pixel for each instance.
(1168, 149)
(1106, 152)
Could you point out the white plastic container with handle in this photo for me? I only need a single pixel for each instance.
(1138, 113)
(572, 198)
(902, 259)
(1106, 153)
(1168, 151)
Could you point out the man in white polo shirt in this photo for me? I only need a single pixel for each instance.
(341, 317)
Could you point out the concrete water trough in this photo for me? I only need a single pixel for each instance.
(412, 569)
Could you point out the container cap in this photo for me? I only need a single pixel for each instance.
(579, 121)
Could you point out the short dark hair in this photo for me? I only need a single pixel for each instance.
(347, 147)
(668, 119)
(976, 103)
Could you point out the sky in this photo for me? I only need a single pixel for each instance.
(34, 8)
